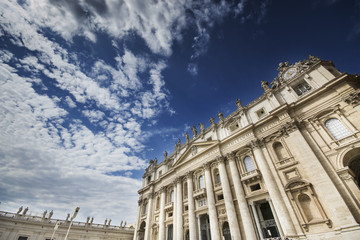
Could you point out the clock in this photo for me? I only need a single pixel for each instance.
(290, 73)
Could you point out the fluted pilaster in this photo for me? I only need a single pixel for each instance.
(214, 225)
(162, 214)
(229, 203)
(249, 228)
(191, 207)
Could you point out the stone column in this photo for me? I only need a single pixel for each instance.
(229, 202)
(275, 216)
(137, 220)
(162, 214)
(249, 228)
(179, 210)
(174, 210)
(214, 225)
(148, 217)
(281, 210)
(256, 216)
(191, 207)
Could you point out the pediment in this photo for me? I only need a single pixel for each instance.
(193, 150)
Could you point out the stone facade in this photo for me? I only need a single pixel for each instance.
(22, 226)
(287, 165)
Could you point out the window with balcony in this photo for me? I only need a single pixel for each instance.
(249, 164)
(301, 88)
(201, 182)
(172, 196)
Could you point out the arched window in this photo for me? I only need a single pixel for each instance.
(172, 196)
(337, 129)
(145, 207)
(201, 182)
(216, 176)
(226, 231)
(157, 203)
(280, 151)
(185, 190)
(249, 164)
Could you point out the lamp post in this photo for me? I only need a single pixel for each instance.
(72, 218)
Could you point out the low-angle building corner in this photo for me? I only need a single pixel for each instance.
(285, 166)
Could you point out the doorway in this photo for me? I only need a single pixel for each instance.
(205, 227)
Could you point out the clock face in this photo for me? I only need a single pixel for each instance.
(290, 73)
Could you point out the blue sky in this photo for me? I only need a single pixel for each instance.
(91, 90)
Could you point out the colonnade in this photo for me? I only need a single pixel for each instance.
(250, 227)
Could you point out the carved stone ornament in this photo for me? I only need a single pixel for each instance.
(230, 156)
(289, 127)
(151, 195)
(265, 86)
(220, 159)
(163, 189)
(257, 143)
(193, 150)
(353, 98)
(212, 121)
(189, 174)
(206, 166)
(238, 103)
(140, 202)
(221, 116)
(194, 131)
(289, 71)
(178, 180)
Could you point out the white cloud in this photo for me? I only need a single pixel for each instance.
(49, 152)
(70, 102)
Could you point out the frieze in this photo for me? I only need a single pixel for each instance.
(267, 127)
(283, 116)
(208, 155)
(238, 140)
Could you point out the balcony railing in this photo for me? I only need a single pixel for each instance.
(251, 176)
(199, 193)
(169, 206)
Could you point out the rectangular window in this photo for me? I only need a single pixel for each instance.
(302, 88)
(160, 173)
(255, 187)
(22, 238)
(220, 197)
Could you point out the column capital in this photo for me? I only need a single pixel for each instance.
(177, 180)
(140, 202)
(163, 189)
(220, 159)
(151, 195)
(230, 156)
(206, 166)
(256, 143)
(189, 174)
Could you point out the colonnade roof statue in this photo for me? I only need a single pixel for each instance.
(284, 166)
